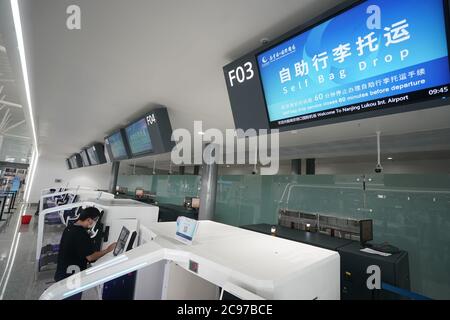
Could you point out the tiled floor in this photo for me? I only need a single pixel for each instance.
(18, 278)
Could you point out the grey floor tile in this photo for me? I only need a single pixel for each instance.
(22, 282)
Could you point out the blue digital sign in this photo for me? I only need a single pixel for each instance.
(138, 137)
(378, 54)
(117, 146)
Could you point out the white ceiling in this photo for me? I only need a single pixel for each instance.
(130, 55)
(9, 93)
(15, 142)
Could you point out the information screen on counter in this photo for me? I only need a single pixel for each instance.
(121, 242)
(186, 230)
(117, 146)
(138, 137)
(355, 62)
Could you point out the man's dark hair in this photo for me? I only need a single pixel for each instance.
(87, 213)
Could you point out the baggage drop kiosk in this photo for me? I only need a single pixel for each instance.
(221, 258)
(116, 214)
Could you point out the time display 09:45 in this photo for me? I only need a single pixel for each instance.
(437, 91)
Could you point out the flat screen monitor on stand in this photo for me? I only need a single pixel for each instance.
(139, 193)
(123, 287)
(122, 242)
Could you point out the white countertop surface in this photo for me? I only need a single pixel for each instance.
(225, 254)
(120, 203)
(256, 255)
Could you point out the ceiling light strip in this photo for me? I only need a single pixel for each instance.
(23, 62)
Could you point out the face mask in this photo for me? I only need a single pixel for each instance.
(92, 225)
(92, 233)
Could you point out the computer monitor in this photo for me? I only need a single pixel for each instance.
(366, 231)
(187, 202)
(121, 190)
(122, 241)
(139, 193)
(195, 203)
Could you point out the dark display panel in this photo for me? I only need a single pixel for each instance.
(138, 137)
(360, 59)
(97, 154)
(116, 146)
(85, 158)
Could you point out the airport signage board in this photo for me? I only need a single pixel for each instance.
(361, 59)
(96, 154)
(116, 146)
(76, 161)
(139, 139)
(150, 134)
(85, 158)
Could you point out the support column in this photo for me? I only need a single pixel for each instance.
(182, 170)
(208, 192)
(311, 166)
(114, 177)
(296, 167)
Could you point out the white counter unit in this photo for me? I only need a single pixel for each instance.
(227, 257)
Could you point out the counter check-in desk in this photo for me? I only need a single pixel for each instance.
(116, 214)
(246, 264)
(354, 263)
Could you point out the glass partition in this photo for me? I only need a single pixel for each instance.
(411, 212)
(169, 189)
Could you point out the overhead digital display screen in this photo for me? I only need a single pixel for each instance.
(85, 159)
(138, 137)
(117, 146)
(74, 162)
(376, 55)
(93, 156)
